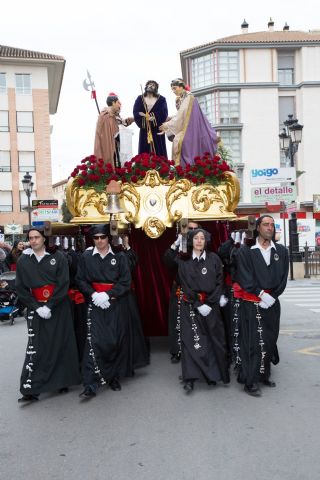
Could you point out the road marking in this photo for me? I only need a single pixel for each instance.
(315, 310)
(310, 351)
(291, 331)
(308, 304)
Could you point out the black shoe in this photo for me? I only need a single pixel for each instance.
(28, 398)
(212, 382)
(269, 383)
(88, 392)
(253, 390)
(63, 390)
(175, 358)
(188, 387)
(115, 385)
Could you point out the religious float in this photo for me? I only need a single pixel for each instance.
(151, 198)
(151, 193)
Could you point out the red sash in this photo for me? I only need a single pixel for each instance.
(238, 292)
(44, 293)
(102, 287)
(76, 296)
(13, 267)
(201, 295)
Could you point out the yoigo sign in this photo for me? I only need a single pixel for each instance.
(272, 175)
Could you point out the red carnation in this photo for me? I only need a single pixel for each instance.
(81, 181)
(134, 178)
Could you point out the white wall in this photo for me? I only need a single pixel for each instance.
(308, 156)
(258, 65)
(39, 75)
(260, 141)
(310, 63)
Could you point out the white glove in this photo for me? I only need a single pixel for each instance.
(204, 310)
(99, 298)
(223, 301)
(44, 312)
(268, 299)
(262, 304)
(177, 243)
(105, 305)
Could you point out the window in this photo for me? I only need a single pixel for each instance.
(24, 122)
(23, 84)
(5, 164)
(3, 83)
(231, 139)
(5, 201)
(229, 107)
(4, 121)
(286, 107)
(286, 67)
(208, 106)
(221, 107)
(26, 162)
(202, 71)
(24, 199)
(228, 67)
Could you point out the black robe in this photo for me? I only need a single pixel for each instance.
(79, 309)
(254, 275)
(138, 348)
(107, 346)
(54, 363)
(169, 259)
(209, 361)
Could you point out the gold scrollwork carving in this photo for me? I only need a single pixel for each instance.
(176, 190)
(129, 192)
(153, 227)
(203, 197)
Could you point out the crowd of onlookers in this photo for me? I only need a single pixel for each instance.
(9, 255)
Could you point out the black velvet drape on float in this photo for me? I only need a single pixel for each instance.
(153, 280)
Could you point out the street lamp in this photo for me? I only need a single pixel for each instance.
(289, 138)
(27, 187)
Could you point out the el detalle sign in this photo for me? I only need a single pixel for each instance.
(274, 194)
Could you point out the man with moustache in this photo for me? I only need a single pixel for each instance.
(261, 277)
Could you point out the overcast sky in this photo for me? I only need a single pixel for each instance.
(125, 43)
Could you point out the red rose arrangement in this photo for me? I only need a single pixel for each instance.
(95, 173)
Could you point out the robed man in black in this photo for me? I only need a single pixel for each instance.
(104, 278)
(42, 281)
(261, 277)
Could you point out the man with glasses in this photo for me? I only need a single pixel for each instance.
(261, 277)
(104, 278)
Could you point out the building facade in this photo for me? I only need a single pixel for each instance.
(30, 84)
(247, 85)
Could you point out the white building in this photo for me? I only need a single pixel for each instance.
(30, 84)
(248, 84)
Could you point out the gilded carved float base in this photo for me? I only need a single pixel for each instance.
(154, 204)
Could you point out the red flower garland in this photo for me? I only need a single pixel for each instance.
(94, 173)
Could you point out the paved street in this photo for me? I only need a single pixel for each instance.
(152, 431)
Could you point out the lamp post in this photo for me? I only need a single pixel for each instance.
(27, 187)
(290, 137)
